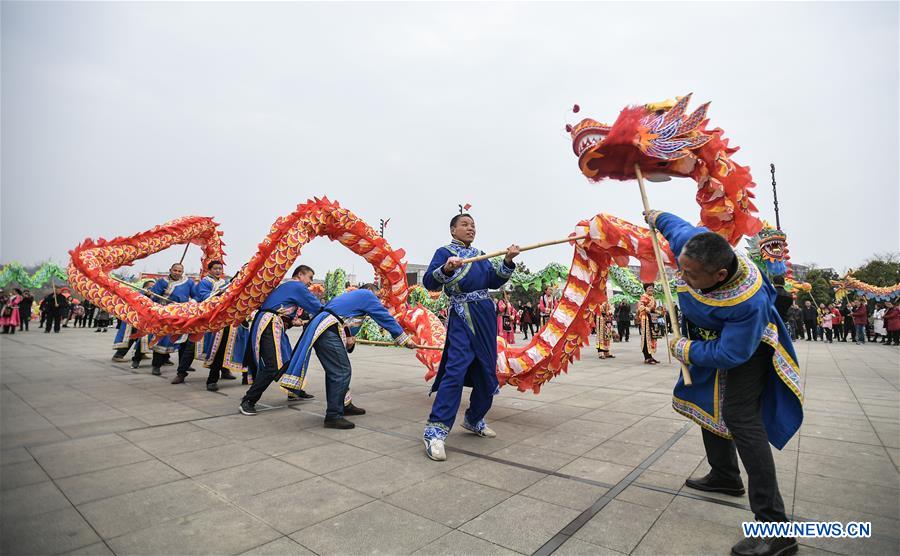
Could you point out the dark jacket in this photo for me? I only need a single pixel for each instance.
(810, 313)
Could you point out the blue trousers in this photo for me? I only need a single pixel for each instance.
(333, 355)
(449, 394)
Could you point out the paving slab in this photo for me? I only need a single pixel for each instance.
(157, 468)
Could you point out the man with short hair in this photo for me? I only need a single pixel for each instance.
(175, 288)
(269, 350)
(746, 390)
(332, 334)
(810, 321)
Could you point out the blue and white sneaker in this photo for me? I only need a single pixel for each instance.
(434, 449)
(480, 428)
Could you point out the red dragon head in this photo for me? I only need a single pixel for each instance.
(664, 141)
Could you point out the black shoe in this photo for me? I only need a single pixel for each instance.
(135, 364)
(339, 423)
(300, 395)
(351, 409)
(765, 546)
(247, 408)
(226, 375)
(179, 379)
(155, 371)
(212, 387)
(709, 483)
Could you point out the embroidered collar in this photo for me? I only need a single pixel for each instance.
(742, 286)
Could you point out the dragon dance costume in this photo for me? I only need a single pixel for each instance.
(326, 333)
(470, 351)
(604, 323)
(746, 381)
(269, 349)
(645, 309)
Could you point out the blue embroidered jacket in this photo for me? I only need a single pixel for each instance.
(472, 320)
(723, 329)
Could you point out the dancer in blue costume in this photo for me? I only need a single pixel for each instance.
(221, 351)
(746, 389)
(470, 352)
(269, 350)
(175, 288)
(331, 334)
(127, 336)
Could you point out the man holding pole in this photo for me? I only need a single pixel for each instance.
(175, 288)
(746, 390)
(331, 333)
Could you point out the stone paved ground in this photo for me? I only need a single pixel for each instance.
(97, 459)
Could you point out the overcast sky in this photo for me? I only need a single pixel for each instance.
(120, 116)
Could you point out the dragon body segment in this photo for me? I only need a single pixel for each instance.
(660, 138)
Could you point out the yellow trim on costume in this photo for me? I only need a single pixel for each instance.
(714, 417)
(741, 276)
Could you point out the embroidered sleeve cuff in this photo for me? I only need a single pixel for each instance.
(652, 216)
(401, 339)
(505, 271)
(442, 278)
(681, 350)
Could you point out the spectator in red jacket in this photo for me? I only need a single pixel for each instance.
(860, 314)
(892, 323)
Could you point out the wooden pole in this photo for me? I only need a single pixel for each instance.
(523, 249)
(148, 292)
(392, 344)
(670, 304)
(183, 255)
(53, 284)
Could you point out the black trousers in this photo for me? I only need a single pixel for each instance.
(54, 321)
(744, 385)
(624, 330)
(269, 370)
(893, 338)
(90, 319)
(185, 357)
(812, 332)
(25, 319)
(828, 334)
(138, 355)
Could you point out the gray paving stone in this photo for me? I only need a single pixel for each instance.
(385, 444)
(456, 543)
(646, 497)
(29, 500)
(19, 474)
(52, 532)
(619, 526)
(382, 476)
(374, 528)
(118, 480)
(328, 457)
(622, 453)
(447, 499)
(565, 492)
(285, 443)
(497, 475)
(668, 536)
(99, 549)
(871, 470)
(577, 547)
(203, 461)
(534, 456)
(182, 443)
(225, 530)
(285, 546)
(503, 524)
(67, 463)
(596, 470)
(253, 478)
(321, 499)
(115, 516)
